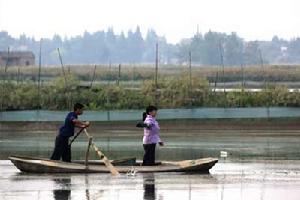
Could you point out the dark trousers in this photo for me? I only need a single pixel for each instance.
(62, 149)
(149, 155)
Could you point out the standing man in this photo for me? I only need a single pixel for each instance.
(62, 148)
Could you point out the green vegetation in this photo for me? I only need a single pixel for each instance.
(141, 72)
(137, 88)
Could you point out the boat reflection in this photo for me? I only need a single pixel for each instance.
(63, 192)
(149, 186)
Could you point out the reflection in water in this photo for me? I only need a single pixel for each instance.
(64, 193)
(149, 186)
(87, 192)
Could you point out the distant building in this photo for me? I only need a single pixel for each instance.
(17, 58)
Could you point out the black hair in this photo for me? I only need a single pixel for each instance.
(148, 110)
(78, 106)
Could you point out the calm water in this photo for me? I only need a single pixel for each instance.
(228, 180)
(260, 165)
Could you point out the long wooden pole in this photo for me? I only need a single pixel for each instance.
(107, 163)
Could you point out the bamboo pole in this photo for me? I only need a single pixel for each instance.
(4, 80)
(223, 73)
(68, 93)
(190, 78)
(156, 65)
(7, 60)
(39, 75)
(94, 75)
(156, 74)
(107, 163)
(119, 75)
(62, 66)
(265, 82)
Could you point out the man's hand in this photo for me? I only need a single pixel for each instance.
(87, 124)
(161, 144)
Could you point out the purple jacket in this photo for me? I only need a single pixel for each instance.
(151, 135)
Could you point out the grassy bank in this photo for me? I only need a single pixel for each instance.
(138, 72)
(175, 88)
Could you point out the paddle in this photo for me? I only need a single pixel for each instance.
(107, 163)
(77, 134)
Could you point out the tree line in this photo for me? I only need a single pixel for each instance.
(211, 48)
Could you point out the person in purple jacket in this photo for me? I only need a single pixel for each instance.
(151, 135)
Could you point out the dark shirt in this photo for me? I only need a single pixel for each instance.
(67, 130)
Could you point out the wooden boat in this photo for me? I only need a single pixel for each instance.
(39, 165)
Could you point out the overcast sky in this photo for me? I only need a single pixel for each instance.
(175, 19)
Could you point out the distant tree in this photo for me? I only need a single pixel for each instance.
(251, 53)
(233, 50)
(294, 50)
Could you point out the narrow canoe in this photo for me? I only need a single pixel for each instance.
(39, 165)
